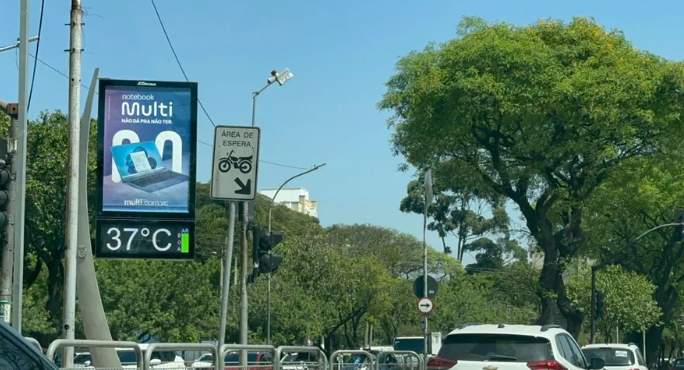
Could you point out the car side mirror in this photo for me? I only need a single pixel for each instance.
(155, 361)
(597, 363)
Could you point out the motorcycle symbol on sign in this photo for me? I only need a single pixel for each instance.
(244, 164)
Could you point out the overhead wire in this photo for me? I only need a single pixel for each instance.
(35, 61)
(264, 161)
(161, 22)
(38, 60)
(199, 141)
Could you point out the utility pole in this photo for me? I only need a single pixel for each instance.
(20, 181)
(8, 250)
(72, 180)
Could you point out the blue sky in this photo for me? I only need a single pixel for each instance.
(341, 53)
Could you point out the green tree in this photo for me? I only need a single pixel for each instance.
(176, 301)
(629, 303)
(459, 213)
(642, 195)
(540, 114)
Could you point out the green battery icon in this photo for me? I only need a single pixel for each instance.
(185, 242)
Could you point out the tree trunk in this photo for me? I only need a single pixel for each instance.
(573, 316)
(55, 292)
(653, 343)
(547, 278)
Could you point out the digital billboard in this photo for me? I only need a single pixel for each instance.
(145, 239)
(147, 134)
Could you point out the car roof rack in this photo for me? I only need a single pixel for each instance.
(467, 324)
(550, 326)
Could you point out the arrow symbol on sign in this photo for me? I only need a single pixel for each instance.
(245, 188)
(426, 305)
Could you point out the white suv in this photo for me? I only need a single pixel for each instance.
(617, 356)
(511, 347)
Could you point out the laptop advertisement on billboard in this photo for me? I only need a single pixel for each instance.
(147, 149)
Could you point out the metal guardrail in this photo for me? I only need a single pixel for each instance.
(335, 355)
(180, 347)
(59, 343)
(35, 343)
(411, 354)
(322, 358)
(223, 351)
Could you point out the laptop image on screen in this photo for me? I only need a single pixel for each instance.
(140, 166)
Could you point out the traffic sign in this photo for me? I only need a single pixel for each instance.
(418, 287)
(425, 305)
(236, 162)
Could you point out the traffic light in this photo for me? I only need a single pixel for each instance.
(269, 263)
(4, 185)
(264, 261)
(600, 304)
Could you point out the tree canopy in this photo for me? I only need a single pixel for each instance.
(539, 114)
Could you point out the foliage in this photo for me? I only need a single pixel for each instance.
(641, 195)
(458, 213)
(629, 303)
(540, 114)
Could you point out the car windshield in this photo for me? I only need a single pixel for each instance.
(612, 356)
(82, 358)
(495, 347)
(409, 344)
(290, 358)
(206, 357)
(234, 358)
(129, 356)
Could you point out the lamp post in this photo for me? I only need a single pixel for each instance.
(281, 78)
(270, 217)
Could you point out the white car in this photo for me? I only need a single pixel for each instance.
(205, 361)
(127, 357)
(617, 356)
(511, 347)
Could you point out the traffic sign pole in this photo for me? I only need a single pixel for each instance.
(234, 178)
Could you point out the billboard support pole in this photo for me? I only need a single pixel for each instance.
(90, 305)
(72, 180)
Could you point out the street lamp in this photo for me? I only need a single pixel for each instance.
(281, 78)
(16, 45)
(270, 217)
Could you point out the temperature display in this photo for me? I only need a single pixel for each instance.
(145, 239)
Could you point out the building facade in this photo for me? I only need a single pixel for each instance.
(296, 199)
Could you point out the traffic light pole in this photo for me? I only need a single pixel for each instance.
(8, 248)
(20, 169)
